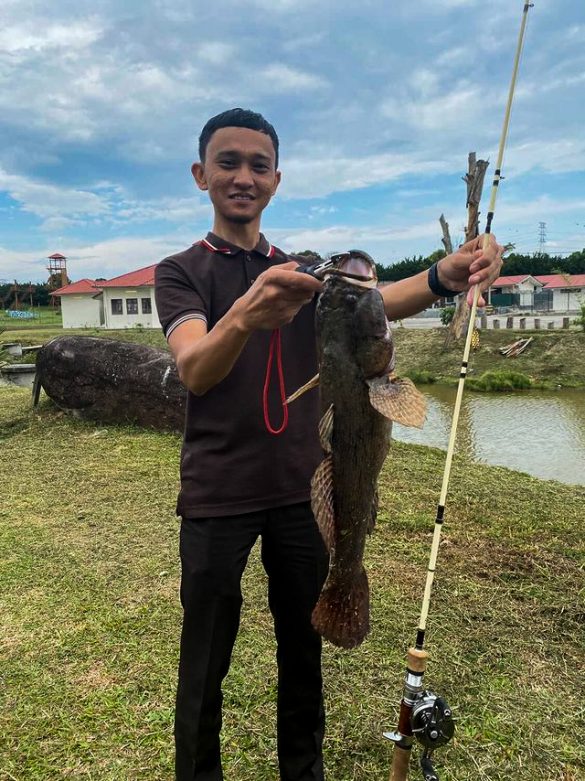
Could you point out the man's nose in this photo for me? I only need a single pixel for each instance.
(244, 176)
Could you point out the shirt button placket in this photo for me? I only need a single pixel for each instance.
(251, 280)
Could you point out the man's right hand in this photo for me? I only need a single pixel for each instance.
(275, 298)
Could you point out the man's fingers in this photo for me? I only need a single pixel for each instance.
(293, 280)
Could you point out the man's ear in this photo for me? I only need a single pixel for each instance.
(277, 178)
(199, 175)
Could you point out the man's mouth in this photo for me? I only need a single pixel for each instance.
(241, 197)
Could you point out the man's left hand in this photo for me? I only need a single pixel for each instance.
(470, 266)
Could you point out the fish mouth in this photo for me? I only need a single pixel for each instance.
(356, 267)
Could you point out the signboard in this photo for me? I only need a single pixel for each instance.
(21, 315)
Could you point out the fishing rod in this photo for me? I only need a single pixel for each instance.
(423, 715)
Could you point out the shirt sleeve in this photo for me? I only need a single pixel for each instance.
(177, 298)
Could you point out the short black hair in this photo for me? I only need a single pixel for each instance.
(237, 117)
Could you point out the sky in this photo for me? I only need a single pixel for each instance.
(377, 105)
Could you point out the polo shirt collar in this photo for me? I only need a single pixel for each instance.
(217, 244)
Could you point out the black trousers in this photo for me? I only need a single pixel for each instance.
(214, 552)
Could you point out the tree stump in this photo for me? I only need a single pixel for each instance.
(510, 322)
(112, 381)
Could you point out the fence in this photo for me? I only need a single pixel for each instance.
(30, 318)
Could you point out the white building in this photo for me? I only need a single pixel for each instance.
(568, 291)
(79, 306)
(515, 290)
(128, 300)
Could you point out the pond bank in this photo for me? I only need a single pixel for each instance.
(551, 360)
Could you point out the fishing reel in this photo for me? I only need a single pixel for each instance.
(433, 726)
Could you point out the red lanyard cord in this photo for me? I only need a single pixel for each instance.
(275, 345)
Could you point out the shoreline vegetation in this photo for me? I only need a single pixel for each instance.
(90, 612)
(553, 360)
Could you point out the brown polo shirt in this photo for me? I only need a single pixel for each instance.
(230, 463)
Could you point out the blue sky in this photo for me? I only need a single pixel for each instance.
(376, 103)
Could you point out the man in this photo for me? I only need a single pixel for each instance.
(218, 302)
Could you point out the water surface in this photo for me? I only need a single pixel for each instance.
(542, 433)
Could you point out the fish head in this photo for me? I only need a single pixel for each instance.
(350, 315)
(356, 267)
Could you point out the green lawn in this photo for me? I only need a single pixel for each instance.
(90, 616)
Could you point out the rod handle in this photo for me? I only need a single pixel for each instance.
(400, 760)
(416, 660)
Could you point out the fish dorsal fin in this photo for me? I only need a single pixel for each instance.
(326, 429)
(313, 383)
(398, 399)
(322, 501)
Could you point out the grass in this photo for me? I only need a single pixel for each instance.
(90, 616)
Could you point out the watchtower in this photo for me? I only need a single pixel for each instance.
(57, 269)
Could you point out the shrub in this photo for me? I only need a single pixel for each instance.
(447, 314)
(421, 377)
(500, 381)
(581, 319)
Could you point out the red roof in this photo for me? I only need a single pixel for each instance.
(82, 286)
(562, 280)
(139, 278)
(57, 256)
(514, 280)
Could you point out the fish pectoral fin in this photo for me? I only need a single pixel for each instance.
(313, 383)
(398, 399)
(326, 429)
(322, 501)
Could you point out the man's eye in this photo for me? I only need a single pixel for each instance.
(261, 168)
(226, 163)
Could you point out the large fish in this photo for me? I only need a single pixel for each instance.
(359, 400)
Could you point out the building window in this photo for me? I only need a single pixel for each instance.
(117, 306)
(132, 306)
(146, 306)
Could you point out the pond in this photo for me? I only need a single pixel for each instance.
(542, 433)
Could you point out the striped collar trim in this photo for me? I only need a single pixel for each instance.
(215, 244)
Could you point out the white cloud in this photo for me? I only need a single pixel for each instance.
(51, 201)
(102, 259)
(216, 52)
(38, 37)
(278, 77)
(316, 176)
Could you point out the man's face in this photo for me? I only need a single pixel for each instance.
(239, 173)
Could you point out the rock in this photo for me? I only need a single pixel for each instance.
(111, 381)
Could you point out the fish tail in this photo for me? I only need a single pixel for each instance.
(342, 615)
